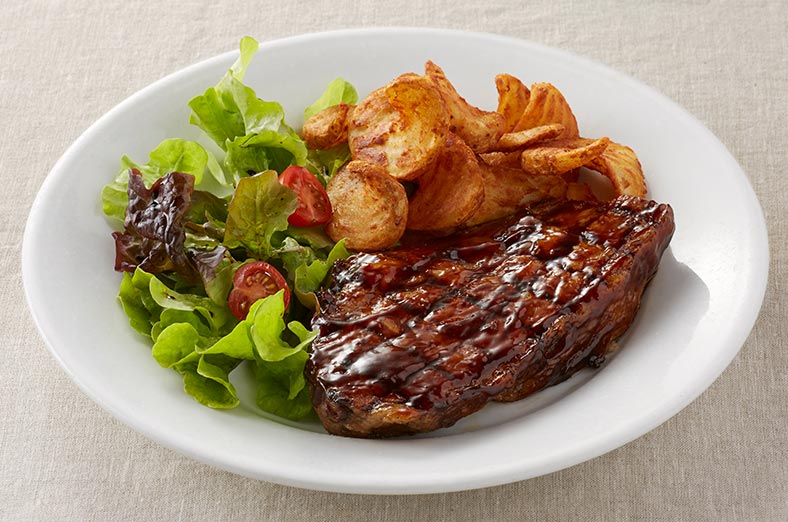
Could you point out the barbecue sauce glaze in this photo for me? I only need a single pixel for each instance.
(491, 313)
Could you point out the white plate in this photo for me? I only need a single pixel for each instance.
(694, 318)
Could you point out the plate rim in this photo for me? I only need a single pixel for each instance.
(760, 278)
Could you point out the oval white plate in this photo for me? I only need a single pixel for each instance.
(695, 316)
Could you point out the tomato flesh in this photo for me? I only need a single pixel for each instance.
(314, 207)
(254, 281)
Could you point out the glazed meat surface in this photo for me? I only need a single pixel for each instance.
(416, 338)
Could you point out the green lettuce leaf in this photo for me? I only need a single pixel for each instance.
(215, 315)
(326, 163)
(171, 316)
(171, 155)
(259, 208)
(175, 344)
(293, 255)
(279, 352)
(268, 326)
(216, 111)
(237, 344)
(205, 377)
(252, 131)
(308, 277)
(140, 307)
(266, 149)
(209, 383)
(314, 237)
(281, 387)
(338, 91)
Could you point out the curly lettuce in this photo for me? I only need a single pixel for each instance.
(251, 131)
(180, 247)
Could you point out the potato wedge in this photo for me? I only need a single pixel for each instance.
(370, 208)
(400, 127)
(451, 192)
(558, 157)
(328, 128)
(547, 105)
(480, 129)
(512, 99)
(621, 166)
(506, 190)
(524, 138)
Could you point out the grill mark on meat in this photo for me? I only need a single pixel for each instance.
(415, 338)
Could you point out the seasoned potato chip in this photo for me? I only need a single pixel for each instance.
(621, 166)
(370, 208)
(328, 128)
(451, 192)
(480, 129)
(502, 159)
(571, 175)
(548, 184)
(400, 127)
(560, 156)
(506, 190)
(547, 105)
(519, 140)
(512, 99)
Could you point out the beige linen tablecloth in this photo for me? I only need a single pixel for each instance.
(65, 63)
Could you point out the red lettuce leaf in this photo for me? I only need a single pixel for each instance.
(154, 234)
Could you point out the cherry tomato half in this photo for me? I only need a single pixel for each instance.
(254, 281)
(314, 207)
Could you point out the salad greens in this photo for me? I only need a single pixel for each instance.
(253, 132)
(185, 235)
(172, 155)
(338, 91)
(259, 208)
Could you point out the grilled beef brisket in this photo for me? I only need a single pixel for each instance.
(415, 338)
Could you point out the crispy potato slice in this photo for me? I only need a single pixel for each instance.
(506, 190)
(621, 166)
(571, 175)
(578, 191)
(512, 99)
(450, 193)
(547, 105)
(560, 156)
(519, 140)
(328, 128)
(480, 129)
(400, 127)
(502, 159)
(548, 184)
(370, 208)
